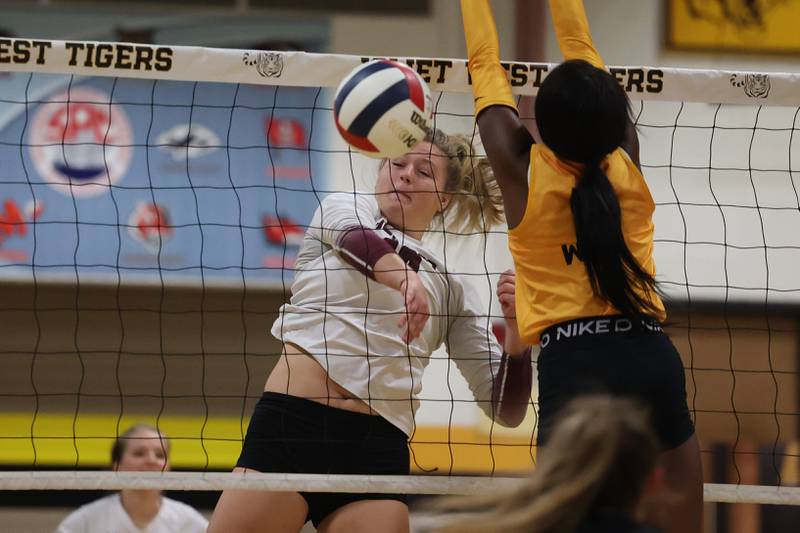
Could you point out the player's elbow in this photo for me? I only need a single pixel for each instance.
(512, 413)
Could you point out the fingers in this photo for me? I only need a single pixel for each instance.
(506, 293)
(506, 300)
(413, 321)
(508, 277)
(506, 285)
(412, 324)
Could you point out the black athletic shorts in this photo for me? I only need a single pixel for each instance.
(294, 435)
(616, 356)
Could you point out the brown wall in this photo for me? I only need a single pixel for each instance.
(742, 372)
(138, 344)
(185, 352)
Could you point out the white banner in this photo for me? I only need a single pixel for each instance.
(188, 63)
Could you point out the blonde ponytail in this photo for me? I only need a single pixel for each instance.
(599, 455)
(470, 182)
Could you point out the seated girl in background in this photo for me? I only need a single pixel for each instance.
(142, 448)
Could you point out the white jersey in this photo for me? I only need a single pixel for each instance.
(107, 515)
(348, 322)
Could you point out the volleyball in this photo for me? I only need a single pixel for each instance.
(382, 109)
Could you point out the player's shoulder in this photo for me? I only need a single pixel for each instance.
(337, 197)
(356, 202)
(627, 171)
(354, 199)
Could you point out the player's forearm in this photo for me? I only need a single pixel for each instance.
(391, 270)
(514, 383)
(513, 344)
(489, 83)
(572, 31)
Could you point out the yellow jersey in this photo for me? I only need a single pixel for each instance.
(552, 283)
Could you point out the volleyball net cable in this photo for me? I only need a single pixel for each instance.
(154, 199)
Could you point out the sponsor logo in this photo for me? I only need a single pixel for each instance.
(754, 85)
(405, 136)
(149, 225)
(14, 223)
(80, 143)
(183, 141)
(419, 120)
(595, 326)
(282, 231)
(268, 64)
(285, 133)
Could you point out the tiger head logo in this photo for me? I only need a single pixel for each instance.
(268, 64)
(755, 85)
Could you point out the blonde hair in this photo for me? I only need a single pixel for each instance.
(599, 456)
(470, 181)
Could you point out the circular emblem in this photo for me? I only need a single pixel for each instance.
(149, 224)
(80, 142)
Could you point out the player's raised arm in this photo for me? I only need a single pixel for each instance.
(575, 41)
(505, 138)
(572, 31)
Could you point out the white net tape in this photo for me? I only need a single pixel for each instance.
(301, 69)
(427, 485)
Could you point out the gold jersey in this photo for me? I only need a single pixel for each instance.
(552, 283)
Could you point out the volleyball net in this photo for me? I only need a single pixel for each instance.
(154, 199)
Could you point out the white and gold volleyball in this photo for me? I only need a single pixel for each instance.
(383, 109)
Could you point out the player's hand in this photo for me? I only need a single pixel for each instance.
(507, 295)
(416, 307)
